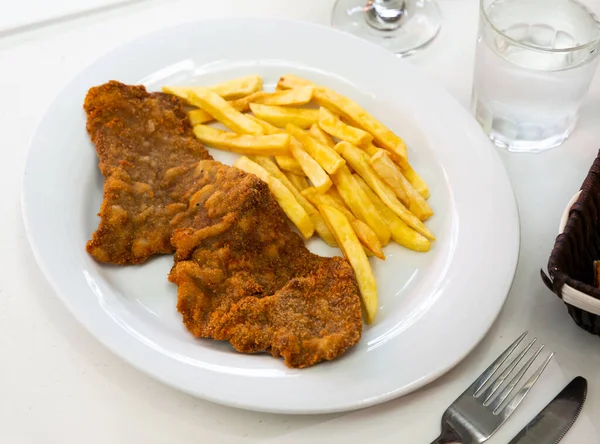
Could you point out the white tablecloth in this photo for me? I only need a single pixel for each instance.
(25, 15)
(402, 421)
(58, 384)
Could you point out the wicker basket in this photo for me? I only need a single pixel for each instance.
(570, 268)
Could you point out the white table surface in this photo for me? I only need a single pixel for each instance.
(59, 385)
(23, 15)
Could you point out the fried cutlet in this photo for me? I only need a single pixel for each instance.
(147, 153)
(245, 277)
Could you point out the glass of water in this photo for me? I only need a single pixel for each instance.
(534, 65)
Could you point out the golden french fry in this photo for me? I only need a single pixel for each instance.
(352, 112)
(401, 233)
(291, 81)
(360, 118)
(280, 115)
(274, 171)
(416, 181)
(269, 145)
(296, 96)
(392, 175)
(222, 111)
(359, 161)
(324, 155)
(311, 168)
(321, 136)
(359, 203)
(409, 173)
(243, 104)
(236, 88)
(312, 212)
(365, 234)
(334, 193)
(300, 182)
(317, 199)
(288, 163)
(199, 116)
(286, 200)
(266, 126)
(400, 161)
(230, 90)
(323, 229)
(368, 238)
(399, 191)
(331, 124)
(371, 149)
(179, 91)
(353, 250)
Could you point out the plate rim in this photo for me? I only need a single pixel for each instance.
(374, 400)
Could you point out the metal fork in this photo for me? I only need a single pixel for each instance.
(483, 407)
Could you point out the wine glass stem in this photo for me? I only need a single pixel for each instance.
(386, 15)
(390, 4)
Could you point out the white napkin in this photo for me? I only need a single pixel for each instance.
(410, 420)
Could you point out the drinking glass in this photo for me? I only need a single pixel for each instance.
(402, 26)
(534, 64)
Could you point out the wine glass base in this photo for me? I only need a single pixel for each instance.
(419, 25)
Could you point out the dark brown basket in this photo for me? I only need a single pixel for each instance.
(575, 250)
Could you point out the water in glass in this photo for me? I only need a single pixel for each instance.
(534, 64)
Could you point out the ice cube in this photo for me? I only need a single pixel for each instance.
(564, 40)
(541, 35)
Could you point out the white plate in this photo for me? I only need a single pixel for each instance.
(435, 307)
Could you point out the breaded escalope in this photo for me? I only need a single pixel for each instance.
(245, 277)
(147, 153)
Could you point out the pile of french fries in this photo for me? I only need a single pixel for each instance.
(333, 168)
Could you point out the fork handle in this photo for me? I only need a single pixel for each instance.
(446, 440)
(448, 436)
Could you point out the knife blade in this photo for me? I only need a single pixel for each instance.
(554, 421)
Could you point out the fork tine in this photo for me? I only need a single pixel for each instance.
(495, 405)
(492, 369)
(518, 397)
(489, 392)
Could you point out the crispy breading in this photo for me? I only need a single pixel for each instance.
(147, 152)
(244, 276)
